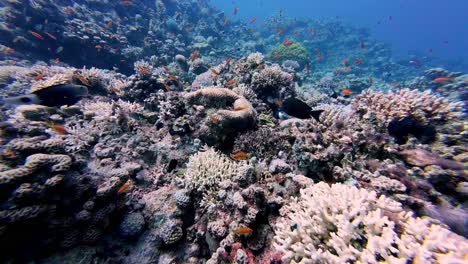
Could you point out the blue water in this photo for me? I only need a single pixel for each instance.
(411, 27)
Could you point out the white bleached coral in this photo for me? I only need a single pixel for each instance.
(206, 169)
(344, 224)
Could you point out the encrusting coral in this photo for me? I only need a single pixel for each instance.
(242, 116)
(344, 224)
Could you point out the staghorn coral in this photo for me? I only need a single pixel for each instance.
(344, 224)
(423, 106)
(243, 115)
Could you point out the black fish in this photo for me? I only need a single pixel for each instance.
(400, 129)
(297, 108)
(57, 95)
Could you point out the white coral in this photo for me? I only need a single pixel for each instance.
(344, 224)
(206, 169)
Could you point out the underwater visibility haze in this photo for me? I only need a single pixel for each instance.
(261, 131)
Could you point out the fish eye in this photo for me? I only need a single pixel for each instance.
(25, 100)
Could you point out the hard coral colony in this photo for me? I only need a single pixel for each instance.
(184, 143)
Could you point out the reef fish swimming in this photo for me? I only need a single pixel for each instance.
(57, 95)
(297, 108)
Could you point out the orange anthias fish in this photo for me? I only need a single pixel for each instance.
(287, 42)
(214, 119)
(37, 35)
(253, 20)
(214, 72)
(83, 80)
(59, 129)
(39, 76)
(126, 3)
(347, 69)
(345, 62)
(240, 155)
(346, 92)
(194, 55)
(167, 87)
(50, 35)
(225, 21)
(337, 72)
(394, 84)
(357, 61)
(281, 32)
(174, 78)
(244, 231)
(125, 187)
(319, 58)
(165, 68)
(443, 79)
(231, 82)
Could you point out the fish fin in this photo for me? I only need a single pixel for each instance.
(22, 100)
(316, 114)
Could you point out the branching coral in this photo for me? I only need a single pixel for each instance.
(423, 106)
(344, 224)
(206, 169)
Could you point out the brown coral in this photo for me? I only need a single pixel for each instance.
(242, 115)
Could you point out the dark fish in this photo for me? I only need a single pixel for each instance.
(400, 129)
(57, 95)
(297, 108)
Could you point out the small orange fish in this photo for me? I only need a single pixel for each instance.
(37, 35)
(240, 155)
(39, 76)
(253, 20)
(59, 129)
(277, 56)
(174, 78)
(347, 69)
(394, 84)
(357, 61)
(260, 66)
(165, 68)
(167, 87)
(345, 62)
(281, 32)
(244, 231)
(214, 119)
(125, 187)
(443, 79)
(214, 72)
(319, 58)
(287, 42)
(126, 3)
(83, 80)
(230, 83)
(194, 55)
(67, 10)
(337, 72)
(8, 50)
(225, 21)
(279, 102)
(240, 108)
(98, 47)
(50, 35)
(346, 92)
